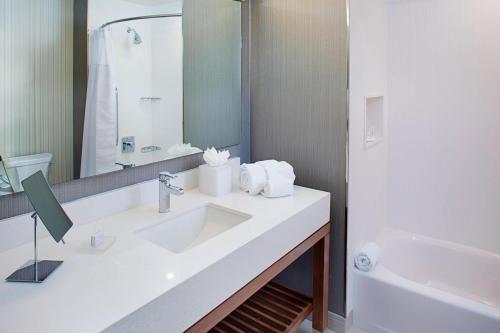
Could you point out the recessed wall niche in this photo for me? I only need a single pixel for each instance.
(374, 120)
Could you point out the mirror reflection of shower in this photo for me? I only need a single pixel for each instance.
(144, 114)
(150, 87)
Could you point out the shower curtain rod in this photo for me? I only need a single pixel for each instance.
(140, 18)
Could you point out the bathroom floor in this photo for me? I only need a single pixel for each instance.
(306, 327)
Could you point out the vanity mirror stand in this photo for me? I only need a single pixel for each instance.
(56, 222)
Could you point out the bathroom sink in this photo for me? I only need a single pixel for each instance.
(187, 230)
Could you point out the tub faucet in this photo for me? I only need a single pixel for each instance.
(166, 189)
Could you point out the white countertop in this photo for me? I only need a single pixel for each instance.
(138, 286)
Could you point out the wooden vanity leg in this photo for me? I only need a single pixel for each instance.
(321, 261)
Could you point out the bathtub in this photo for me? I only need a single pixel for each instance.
(423, 285)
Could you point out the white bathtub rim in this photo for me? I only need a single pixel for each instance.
(384, 275)
(388, 234)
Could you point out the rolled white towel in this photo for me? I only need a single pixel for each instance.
(278, 186)
(278, 176)
(253, 178)
(366, 259)
(283, 168)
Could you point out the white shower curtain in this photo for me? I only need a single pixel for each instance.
(101, 126)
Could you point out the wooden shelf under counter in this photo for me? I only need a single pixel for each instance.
(272, 309)
(263, 306)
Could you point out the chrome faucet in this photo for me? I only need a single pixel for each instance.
(126, 165)
(166, 189)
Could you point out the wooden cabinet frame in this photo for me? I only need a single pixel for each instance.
(320, 242)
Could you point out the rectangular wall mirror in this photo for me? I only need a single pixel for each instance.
(89, 87)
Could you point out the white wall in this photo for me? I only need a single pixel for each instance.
(367, 167)
(132, 66)
(437, 172)
(167, 79)
(444, 120)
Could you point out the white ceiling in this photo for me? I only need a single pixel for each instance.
(151, 2)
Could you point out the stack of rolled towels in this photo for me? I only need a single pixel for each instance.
(270, 178)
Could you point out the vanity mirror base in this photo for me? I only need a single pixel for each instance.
(33, 272)
(264, 306)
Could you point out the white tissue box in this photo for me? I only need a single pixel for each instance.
(216, 181)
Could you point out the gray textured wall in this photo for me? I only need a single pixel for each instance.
(212, 72)
(36, 90)
(299, 110)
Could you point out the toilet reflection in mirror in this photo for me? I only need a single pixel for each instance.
(5, 187)
(147, 81)
(19, 168)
